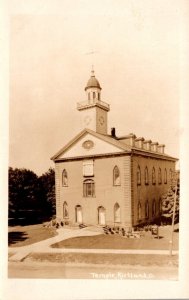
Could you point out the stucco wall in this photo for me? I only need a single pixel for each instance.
(106, 194)
(151, 191)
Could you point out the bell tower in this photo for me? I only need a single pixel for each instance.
(93, 110)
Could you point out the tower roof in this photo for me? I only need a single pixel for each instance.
(93, 82)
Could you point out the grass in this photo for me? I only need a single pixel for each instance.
(110, 259)
(19, 236)
(119, 242)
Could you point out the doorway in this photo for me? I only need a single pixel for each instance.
(101, 215)
(78, 214)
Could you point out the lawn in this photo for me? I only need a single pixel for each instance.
(118, 242)
(19, 236)
(104, 258)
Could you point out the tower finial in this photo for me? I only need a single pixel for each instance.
(92, 71)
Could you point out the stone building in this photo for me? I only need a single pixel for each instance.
(105, 179)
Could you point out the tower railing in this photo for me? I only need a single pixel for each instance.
(89, 103)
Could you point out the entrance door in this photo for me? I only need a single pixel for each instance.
(101, 215)
(79, 218)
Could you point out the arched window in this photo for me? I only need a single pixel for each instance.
(116, 176)
(88, 188)
(159, 176)
(147, 209)
(146, 176)
(65, 210)
(89, 98)
(154, 208)
(117, 213)
(94, 95)
(139, 211)
(170, 174)
(64, 178)
(98, 96)
(160, 205)
(165, 176)
(138, 176)
(153, 176)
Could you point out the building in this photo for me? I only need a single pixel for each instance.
(105, 179)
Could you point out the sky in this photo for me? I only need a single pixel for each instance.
(136, 45)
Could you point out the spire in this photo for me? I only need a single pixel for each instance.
(92, 71)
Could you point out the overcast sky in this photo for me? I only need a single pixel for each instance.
(136, 60)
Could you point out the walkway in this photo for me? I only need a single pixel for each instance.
(65, 233)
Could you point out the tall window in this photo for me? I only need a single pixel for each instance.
(154, 208)
(94, 95)
(64, 178)
(146, 176)
(116, 176)
(117, 213)
(139, 211)
(170, 174)
(138, 176)
(147, 209)
(89, 98)
(159, 176)
(165, 176)
(65, 210)
(153, 176)
(88, 188)
(160, 205)
(98, 96)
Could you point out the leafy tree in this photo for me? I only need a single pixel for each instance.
(47, 183)
(168, 203)
(24, 191)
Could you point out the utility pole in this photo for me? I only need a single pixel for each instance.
(173, 216)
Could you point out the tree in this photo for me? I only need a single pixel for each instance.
(24, 192)
(168, 203)
(47, 183)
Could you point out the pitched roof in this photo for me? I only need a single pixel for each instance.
(105, 138)
(112, 141)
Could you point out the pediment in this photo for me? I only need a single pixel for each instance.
(88, 144)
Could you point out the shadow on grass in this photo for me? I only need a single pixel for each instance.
(27, 220)
(16, 236)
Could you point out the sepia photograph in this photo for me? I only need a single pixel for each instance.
(95, 126)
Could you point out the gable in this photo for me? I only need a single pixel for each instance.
(89, 144)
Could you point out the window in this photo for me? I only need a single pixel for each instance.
(147, 209)
(153, 176)
(98, 96)
(154, 208)
(159, 176)
(165, 176)
(160, 205)
(146, 176)
(88, 188)
(170, 174)
(89, 98)
(93, 95)
(138, 176)
(139, 211)
(64, 178)
(117, 213)
(116, 176)
(88, 167)
(65, 210)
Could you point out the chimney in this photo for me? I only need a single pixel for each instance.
(147, 144)
(161, 148)
(113, 132)
(139, 142)
(154, 146)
